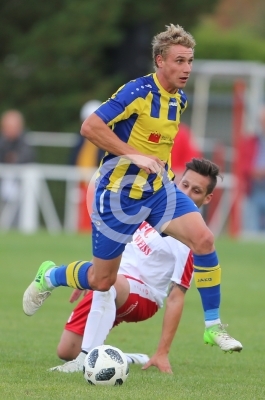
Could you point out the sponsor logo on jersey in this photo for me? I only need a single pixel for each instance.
(146, 229)
(154, 137)
(142, 245)
(167, 139)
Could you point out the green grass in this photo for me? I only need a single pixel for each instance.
(28, 345)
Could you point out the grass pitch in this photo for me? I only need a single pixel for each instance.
(28, 344)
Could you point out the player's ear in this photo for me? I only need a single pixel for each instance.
(208, 198)
(159, 60)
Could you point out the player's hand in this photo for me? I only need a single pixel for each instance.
(161, 362)
(76, 294)
(150, 164)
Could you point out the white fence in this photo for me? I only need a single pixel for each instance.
(26, 195)
(32, 198)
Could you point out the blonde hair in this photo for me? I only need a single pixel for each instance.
(174, 34)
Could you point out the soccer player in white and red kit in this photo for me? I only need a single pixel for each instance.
(149, 263)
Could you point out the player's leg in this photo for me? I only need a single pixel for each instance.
(191, 229)
(109, 237)
(100, 274)
(101, 318)
(103, 315)
(140, 305)
(71, 339)
(188, 226)
(207, 275)
(76, 275)
(69, 345)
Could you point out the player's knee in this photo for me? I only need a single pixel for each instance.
(63, 352)
(102, 284)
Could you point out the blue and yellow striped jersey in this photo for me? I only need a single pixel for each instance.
(144, 115)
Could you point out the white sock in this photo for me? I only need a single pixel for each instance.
(100, 319)
(213, 322)
(47, 278)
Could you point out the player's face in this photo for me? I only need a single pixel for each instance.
(175, 67)
(195, 186)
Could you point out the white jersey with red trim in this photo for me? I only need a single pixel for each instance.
(156, 261)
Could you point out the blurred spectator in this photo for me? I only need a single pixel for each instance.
(252, 159)
(13, 146)
(184, 149)
(13, 150)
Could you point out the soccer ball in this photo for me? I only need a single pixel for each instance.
(106, 365)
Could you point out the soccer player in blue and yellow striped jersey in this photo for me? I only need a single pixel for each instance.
(146, 117)
(136, 127)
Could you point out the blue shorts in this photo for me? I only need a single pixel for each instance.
(116, 217)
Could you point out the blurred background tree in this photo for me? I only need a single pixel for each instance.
(247, 14)
(57, 56)
(236, 31)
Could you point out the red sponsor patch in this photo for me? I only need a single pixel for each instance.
(154, 137)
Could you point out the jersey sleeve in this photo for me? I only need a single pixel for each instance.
(183, 269)
(128, 100)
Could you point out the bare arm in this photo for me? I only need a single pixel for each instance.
(173, 312)
(95, 130)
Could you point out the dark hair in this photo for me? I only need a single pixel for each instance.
(206, 168)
